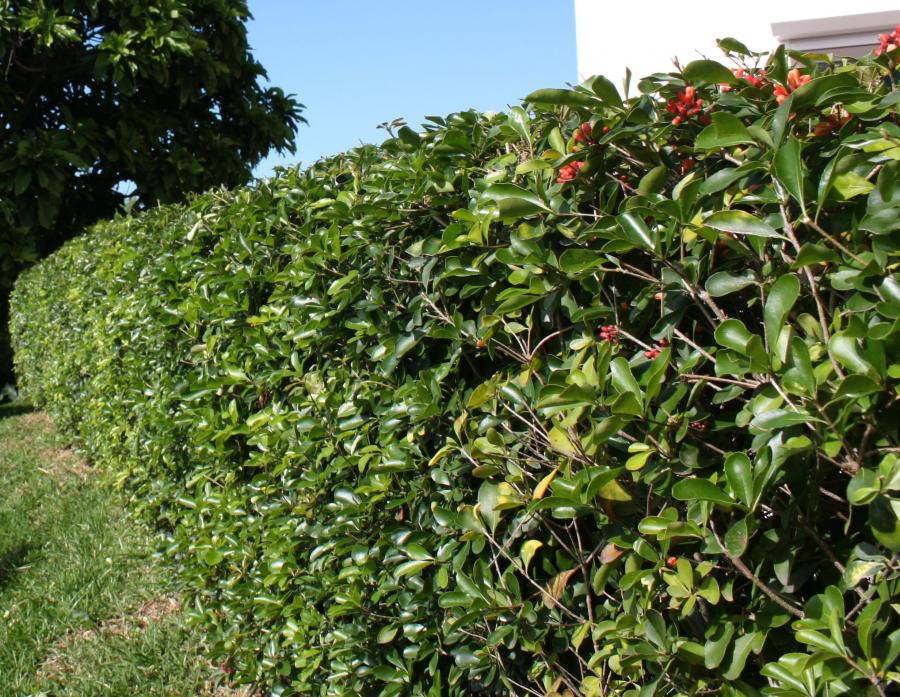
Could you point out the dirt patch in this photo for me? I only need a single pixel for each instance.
(55, 461)
(36, 420)
(150, 612)
(59, 462)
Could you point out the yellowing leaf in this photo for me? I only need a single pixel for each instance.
(543, 485)
(613, 491)
(638, 460)
(557, 587)
(561, 442)
(440, 454)
(529, 547)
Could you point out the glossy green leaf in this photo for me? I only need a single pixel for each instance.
(724, 131)
(636, 230)
(740, 223)
(558, 97)
(700, 489)
(710, 72)
(790, 170)
(724, 283)
(739, 472)
(514, 201)
(779, 302)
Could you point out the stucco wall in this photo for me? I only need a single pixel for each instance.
(645, 34)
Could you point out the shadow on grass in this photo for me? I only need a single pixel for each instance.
(8, 409)
(10, 562)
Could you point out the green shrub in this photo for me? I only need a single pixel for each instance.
(458, 415)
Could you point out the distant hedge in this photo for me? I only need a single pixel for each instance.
(596, 397)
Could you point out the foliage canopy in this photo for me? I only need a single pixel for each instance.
(599, 396)
(95, 94)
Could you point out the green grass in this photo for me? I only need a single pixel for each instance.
(85, 608)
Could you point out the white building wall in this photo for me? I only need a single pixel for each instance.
(645, 35)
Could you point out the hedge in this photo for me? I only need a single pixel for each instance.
(595, 397)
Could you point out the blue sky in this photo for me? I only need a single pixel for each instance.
(358, 63)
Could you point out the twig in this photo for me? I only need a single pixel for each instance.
(693, 377)
(820, 306)
(747, 573)
(818, 228)
(690, 342)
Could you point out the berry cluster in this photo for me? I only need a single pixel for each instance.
(685, 105)
(741, 74)
(584, 133)
(610, 333)
(656, 350)
(699, 426)
(795, 80)
(889, 42)
(570, 171)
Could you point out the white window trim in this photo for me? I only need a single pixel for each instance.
(835, 33)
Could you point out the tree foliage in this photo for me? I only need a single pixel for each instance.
(596, 397)
(95, 95)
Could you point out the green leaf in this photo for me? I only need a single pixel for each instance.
(715, 648)
(724, 178)
(811, 253)
(850, 184)
(514, 201)
(742, 647)
(736, 538)
(519, 122)
(622, 378)
(740, 223)
(790, 169)
(734, 335)
(844, 350)
(636, 230)
(818, 640)
(733, 46)
(856, 386)
(412, 567)
(724, 282)
(558, 97)
(782, 296)
(724, 131)
(781, 120)
(212, 557)
(606, 90)
(781, 418)
(654, 181)
(386, 634)
(739, 473)
(824, 90)
(700, 490)
(573, 261)
(710, 72)
(863, 488)
(557, 142)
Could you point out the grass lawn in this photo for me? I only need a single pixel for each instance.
(85, 609)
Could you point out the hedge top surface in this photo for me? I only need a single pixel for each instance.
(595, 397)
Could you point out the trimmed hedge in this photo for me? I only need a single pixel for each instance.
(594, 397)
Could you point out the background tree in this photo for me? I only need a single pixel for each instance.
(98, 94)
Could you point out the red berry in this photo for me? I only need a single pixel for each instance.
(672, 562)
